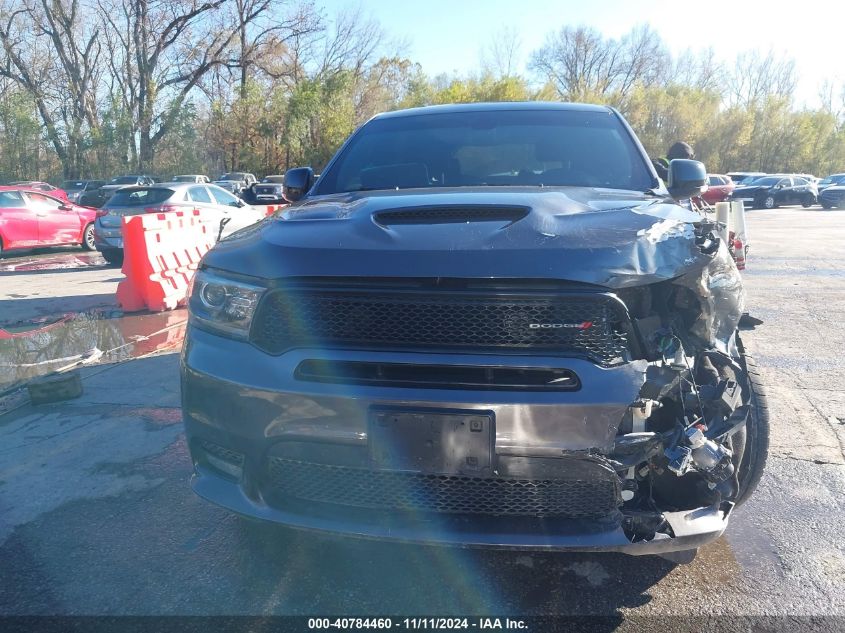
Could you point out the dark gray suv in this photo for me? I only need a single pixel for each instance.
(485, 325)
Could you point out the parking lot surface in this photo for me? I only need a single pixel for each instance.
(96, 514)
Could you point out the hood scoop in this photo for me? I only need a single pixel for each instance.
(450, 215)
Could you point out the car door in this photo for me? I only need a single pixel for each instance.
(800, 190)
(58, 223)
(200, 196)
(239, 214)
(18, 222)
(783, 191)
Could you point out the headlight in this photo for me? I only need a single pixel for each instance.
(223, 305)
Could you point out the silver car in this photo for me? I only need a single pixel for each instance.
(194, 178)
(227, 211)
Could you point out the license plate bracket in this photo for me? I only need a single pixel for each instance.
(432, 442)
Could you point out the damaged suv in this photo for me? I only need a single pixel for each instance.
(483, 325)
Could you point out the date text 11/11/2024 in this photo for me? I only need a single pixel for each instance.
(417, 624)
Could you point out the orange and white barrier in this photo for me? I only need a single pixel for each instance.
(161, 254)
(270, 209)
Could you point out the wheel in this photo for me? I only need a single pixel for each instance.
(769, 202)
(827, 206)
(756, 432)
(88, 238)
(808, 201)
(113, 257)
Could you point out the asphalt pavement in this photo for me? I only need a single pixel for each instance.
(97, 518)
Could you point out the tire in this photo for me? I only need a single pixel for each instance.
(756, 431)
(808, 201)
(88, 238)
(113, 257)
(827, 206)
(769, 202)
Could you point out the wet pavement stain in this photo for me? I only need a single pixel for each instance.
(58, 261)
(37, 348)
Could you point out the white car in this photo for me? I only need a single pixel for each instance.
(194, 178)
(225, 211)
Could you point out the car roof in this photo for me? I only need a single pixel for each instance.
(504, 106)
(28, 189)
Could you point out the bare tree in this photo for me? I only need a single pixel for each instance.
(51, 49)
(577, 62)
(264, 27)
(501, 56)
(754, 78)
(160, 50)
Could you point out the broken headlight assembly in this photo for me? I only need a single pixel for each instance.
(223, 305)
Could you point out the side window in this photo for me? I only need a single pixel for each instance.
(800, 182)
(223, 197)
(785, 182)
(199, 194)
(42, 203)
(12, 200)
(714, 181)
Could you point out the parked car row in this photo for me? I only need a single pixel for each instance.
(768, 192)
(36, 214)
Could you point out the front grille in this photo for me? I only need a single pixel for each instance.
(266, 191)
(451, 494)
(592, 325)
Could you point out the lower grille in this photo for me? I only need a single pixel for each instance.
(594, 325)
(227, 455)
(452, 494)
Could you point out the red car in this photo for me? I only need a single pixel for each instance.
(44, 187)
(30, 219)
(719, 188)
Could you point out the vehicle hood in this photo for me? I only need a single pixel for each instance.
(834, 188)
(605, 237)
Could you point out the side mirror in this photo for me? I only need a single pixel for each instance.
(65, 206)
(687, 178)
(297, 183)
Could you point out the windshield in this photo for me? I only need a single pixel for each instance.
(73, 185)
(184, 179)
(232, 176)
(138, 197)
(486, 148)
(763, 182)
(124, 180)
(274, 179)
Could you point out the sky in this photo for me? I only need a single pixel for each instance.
(447, 36)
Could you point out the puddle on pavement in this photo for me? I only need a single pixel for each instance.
(57, 261)
(751, 546)
(36, 348)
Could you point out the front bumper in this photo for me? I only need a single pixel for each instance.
(692, 528)
(257, 408)
(831, 200)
